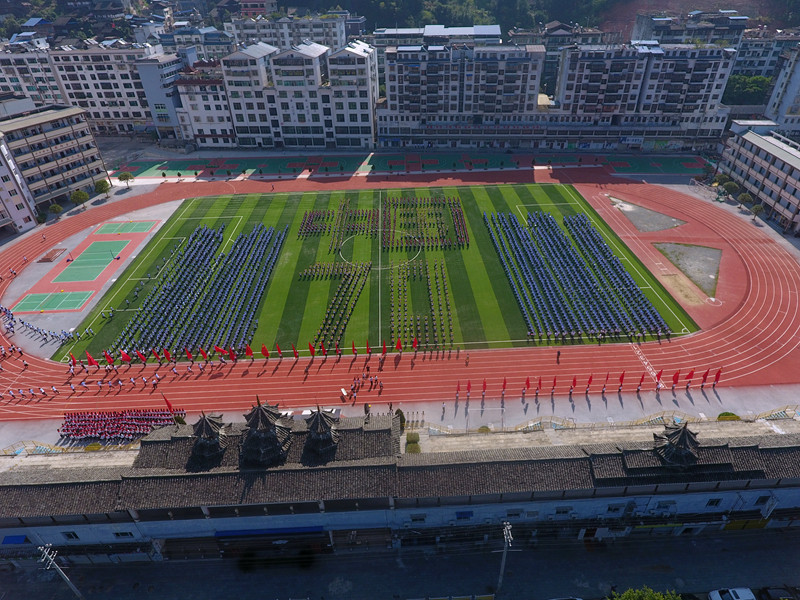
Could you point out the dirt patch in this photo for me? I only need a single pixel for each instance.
(679, 288)
(645, 219)
(699, 263)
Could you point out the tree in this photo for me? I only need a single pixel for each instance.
(731, 187)
(101, 186)
(56, 209)
(78, 197)
(645, 593)
(126, 177)
(757, 210)
(744, 198)
(742, 89)
(721, 178)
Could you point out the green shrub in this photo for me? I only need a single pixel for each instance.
(728, 416)
(413, 449)
(412, 438)
(399, 413)
(484, 429)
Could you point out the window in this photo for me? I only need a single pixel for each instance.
(714, 502)
(563, 510)
(5, 178)
(123, 534)
(19, 206)
(418, 518)
(70, 535)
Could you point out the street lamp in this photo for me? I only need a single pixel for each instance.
(49, 559)
(507, 539)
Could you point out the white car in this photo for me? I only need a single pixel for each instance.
(732, 594)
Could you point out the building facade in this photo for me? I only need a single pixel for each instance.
(204, 114)
(767, 166)
(722, 28)
(54, 153)
(316, 480)
(209, 42)
(285, 32)
(783, 105)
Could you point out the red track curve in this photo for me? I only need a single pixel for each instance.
(754, 333)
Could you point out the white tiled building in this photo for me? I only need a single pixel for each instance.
(248, 76)
(783, 105)
(283, 33)
(767, 166)
(353, 76)
(448, 96)
(204, 115)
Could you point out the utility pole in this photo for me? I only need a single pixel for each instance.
(507, 539)
(49, 559)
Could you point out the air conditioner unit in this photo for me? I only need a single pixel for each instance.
(549, 517)
(452, 523)
(573, 516)
(407, 524)
(488, 521)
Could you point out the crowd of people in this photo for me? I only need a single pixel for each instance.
(569, 288)
(434, 328)
(340, 308)
(200, 299)
(111, 425)
(46, 335)
(410, 222)
(316, 222)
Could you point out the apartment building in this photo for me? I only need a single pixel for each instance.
(209, 42)
(285, 32)
(722, 27)
(50, 152)
(783, 105)
(767, 166)
(760, 50)
(103, 78)
(28, 71)
(668, 95)
(248, 81)
(204, 115)
(353, 76)
(158, 74)
(258, 7)
(459, 96)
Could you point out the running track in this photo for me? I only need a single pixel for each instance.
(753, 333)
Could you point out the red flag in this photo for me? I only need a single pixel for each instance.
(469, 386)
(248, 351)
(189, 354)
(717, 376)
(504, 383)
(167, 354)
(658, 377)
(278, 348)
(311, 349)
(322, 346)
(554, 382)
(399, 345)
(158, 358)
(220, 350)
(337, 348)
(72, 359)
(690, 375)
(92, 362)
(354, 348)
(705, 375)
(607, 376)
(484, 385)
(384, 346)
(231, 354)
(622, 378)
(142, 357)
(369, 350)
(458, 387)
(641, 381)
(415, 343)
(676, 377)
(588, 383)
(124, 356)
(203, 353)
(574, 380)
(108, 357)
(264, 351)
(527, 383)
(295, 351)
(539, 385)
(169, 404)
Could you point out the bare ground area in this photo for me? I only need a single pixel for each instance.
(645, 219)
(698, 263)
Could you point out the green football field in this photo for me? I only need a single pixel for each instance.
(334, 283)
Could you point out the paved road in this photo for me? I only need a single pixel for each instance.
(554, 569)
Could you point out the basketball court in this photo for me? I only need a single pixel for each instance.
(52, 302)
(125, 227)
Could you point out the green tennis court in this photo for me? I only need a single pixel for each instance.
(126, 227)
(91, 262)
(53, 301)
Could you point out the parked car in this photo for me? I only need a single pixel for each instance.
(732, 594)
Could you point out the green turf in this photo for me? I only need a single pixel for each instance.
(126, 227)
(91, 262)
(52, 302)
(483, 308)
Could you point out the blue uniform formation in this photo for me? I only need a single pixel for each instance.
(353, 277)
(419, 223)
(431, 325)
(200, 300)
(569, 289)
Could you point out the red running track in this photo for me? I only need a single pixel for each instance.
(752, 330)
